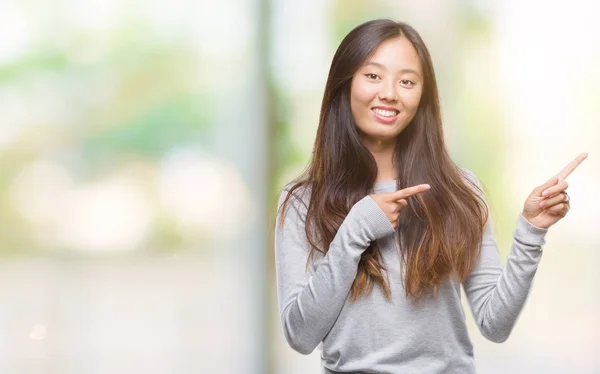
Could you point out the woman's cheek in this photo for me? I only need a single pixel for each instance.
(412, 99)
(367, 94)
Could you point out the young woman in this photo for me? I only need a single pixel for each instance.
(374, 240)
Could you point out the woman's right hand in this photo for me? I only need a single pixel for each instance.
(391, 203)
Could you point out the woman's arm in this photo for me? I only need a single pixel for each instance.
(309, 303)
(497, 294)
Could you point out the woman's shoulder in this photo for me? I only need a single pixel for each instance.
(300, 189)
(299, 193)
(472, 181)
(469, 176)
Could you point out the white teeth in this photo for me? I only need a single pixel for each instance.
(385, 113)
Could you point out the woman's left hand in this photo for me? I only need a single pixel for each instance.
(549, 203)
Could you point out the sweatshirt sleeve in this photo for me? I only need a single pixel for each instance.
(310, 301)
(496, 294)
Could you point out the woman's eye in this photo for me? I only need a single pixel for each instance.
(406, 82)
(372, 76)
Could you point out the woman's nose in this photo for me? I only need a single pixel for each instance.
(388, 92)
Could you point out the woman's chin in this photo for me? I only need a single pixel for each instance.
(380, 138)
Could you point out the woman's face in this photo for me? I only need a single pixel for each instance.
(386, 91)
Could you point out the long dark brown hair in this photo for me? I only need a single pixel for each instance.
(442, 230)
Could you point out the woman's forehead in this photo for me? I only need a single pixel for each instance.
(397, 55)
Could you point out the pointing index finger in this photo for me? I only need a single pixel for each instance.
(410, 191)
(564, 173)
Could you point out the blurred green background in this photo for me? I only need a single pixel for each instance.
(143, 146)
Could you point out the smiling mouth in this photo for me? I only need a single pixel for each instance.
(385, 112)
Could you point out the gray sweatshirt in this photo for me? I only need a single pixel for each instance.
(374, 335)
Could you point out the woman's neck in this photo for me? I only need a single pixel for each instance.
(384, 158)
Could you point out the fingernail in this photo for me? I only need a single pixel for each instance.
(545, 193)
(541, 204)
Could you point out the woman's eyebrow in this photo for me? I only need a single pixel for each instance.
(405, 70)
